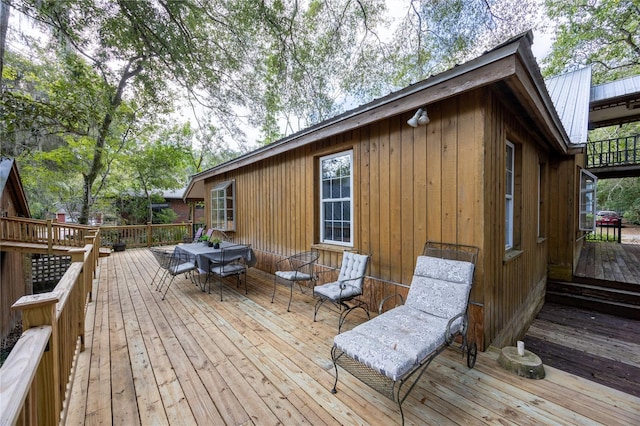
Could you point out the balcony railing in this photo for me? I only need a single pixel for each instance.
(146, 235)
(613, 152)
(36, 375)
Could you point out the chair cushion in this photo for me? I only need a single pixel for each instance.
(395, 342)
(182, 268)
(230, 269)
(440, 287)
(294, 275)
(353, 266)
(336, 291)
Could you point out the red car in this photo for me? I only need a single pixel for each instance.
(607, 218)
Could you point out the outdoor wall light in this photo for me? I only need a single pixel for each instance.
(420, 118)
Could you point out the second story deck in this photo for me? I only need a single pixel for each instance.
(613, 158)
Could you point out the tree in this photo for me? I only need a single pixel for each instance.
(603, 33)
(279, 65)
(155, 164)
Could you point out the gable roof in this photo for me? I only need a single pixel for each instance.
(510, 65)
(10, 180)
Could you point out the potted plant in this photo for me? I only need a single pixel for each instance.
(204, 239)
(119, 246)
(215, 243)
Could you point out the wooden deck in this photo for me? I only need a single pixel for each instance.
(594, 345)
(610, 262)
(192, 359)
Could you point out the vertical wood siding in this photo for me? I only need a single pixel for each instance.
(511, 279)
(442, 182)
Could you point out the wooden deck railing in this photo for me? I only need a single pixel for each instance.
(52, 233)
(36, 376)
(146, 235)
(613, 152)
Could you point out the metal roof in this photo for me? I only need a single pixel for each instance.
(615, 103)
(570, 94)
(615, 89)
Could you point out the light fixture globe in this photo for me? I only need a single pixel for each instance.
(424, 118)
(413, 121)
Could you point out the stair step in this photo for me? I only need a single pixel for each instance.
(605, 306)
(607, 284)
(596, 292)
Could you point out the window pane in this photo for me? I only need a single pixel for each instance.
(335, 197)
(326, 189)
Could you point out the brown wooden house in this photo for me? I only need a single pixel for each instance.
(12, 282)
(493, 168)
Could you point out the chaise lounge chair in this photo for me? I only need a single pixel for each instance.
(391, 352)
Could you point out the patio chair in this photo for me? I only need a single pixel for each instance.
(347, 288)
(392, 351)
(198, 234)
(295, 269)
(163, 257)
(220, 235)
(231, 263)
(179, 263)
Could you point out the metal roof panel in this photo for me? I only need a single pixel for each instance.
(570, 93)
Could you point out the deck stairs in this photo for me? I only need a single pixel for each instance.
(609, 297)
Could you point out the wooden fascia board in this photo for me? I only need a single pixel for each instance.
(539, 105)
(488, 74)
(503, 64)
(18, 189)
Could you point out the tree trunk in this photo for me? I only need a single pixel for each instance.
(4, 26)
(96, 165)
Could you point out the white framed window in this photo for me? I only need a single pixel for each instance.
(223, 206)
(508, 195)
(336, 195)
(587, 201)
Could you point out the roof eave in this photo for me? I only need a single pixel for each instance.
(495, 65)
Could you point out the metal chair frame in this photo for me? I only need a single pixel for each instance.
(163, 257)
(398, 390)
(295, 269)
(340, 302)
(179, 263)
(231, 263)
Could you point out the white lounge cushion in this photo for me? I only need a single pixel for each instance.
(440, 286)
(395, 342)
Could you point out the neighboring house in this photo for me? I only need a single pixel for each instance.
(493, 168)
(186, 211)
(12, 277)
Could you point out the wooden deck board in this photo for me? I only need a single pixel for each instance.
(593, 345)
(610, 262)
(192, 359)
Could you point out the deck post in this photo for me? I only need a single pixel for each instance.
(37, 310)
(78, 255)
(50, 236)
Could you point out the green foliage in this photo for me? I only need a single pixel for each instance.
(604, 33)
(164, 216)
(621, 195)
